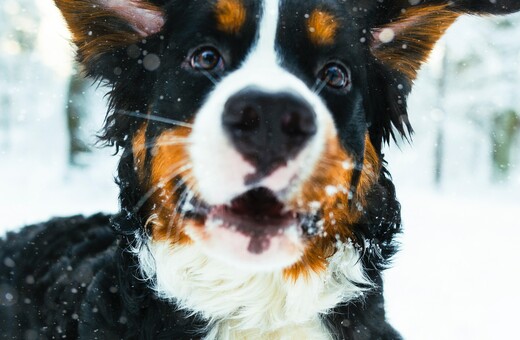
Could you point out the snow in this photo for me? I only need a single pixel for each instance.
(386, 35)
(457, 275)
(34, 191)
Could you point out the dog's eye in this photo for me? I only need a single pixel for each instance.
(335, 76)
(207, 59)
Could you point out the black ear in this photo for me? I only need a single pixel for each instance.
(99, 27)
(403, 34)
(488, 6)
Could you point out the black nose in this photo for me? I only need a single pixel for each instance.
(268, 129)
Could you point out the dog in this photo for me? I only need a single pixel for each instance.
(255, 202)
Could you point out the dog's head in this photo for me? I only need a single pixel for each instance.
(254, 128)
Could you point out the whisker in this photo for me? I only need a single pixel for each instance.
(209, 76)
(175, 142)
(136, 114)
(316, 85)
(151, 145)
(345, 163)
(180, 203)
(180, 141)
(320, 85)
(158, 212)
(186, 203)
(186, 197)
(173, 216)
(170, 225)
(175, 139)
(155, 188)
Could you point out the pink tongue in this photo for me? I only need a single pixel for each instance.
(259, 244)
(259, 229)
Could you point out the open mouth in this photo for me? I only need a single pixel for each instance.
(257, 214)
(255, 227)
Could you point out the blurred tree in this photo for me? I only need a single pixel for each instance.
(440, 67)
(18, 35)
(5, 121)
(76, 110)
(483, 97)
(25, 73)
(504, 131)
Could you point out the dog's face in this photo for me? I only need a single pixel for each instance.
(255, 127)
(260, 176)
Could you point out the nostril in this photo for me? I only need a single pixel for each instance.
(296, 123)
(291, 123)
(245, 119)
(250, 119)
(308, 124)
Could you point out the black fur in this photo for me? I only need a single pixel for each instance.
(73, 278)
(364, 320)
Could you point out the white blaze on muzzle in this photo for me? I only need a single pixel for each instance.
(220, 171)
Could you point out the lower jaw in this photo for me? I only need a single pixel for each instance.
(252, 250)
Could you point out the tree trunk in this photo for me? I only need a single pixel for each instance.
(76, 112)
(504, 131)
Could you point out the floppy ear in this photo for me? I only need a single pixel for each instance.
(407, 33)
(403, 34)
(405, 42)
(100, 26)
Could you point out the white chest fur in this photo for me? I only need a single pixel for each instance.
(246, 305)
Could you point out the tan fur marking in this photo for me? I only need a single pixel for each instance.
(322, 27)
(338, 216)
(139, 151)
(416, 32)
(170, 163)
(231, 16)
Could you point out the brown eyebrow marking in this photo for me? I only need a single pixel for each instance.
(322, 27)
(231, 15)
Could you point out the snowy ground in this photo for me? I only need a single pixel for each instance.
(34, 192)
(457, 274)
(456, 277)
